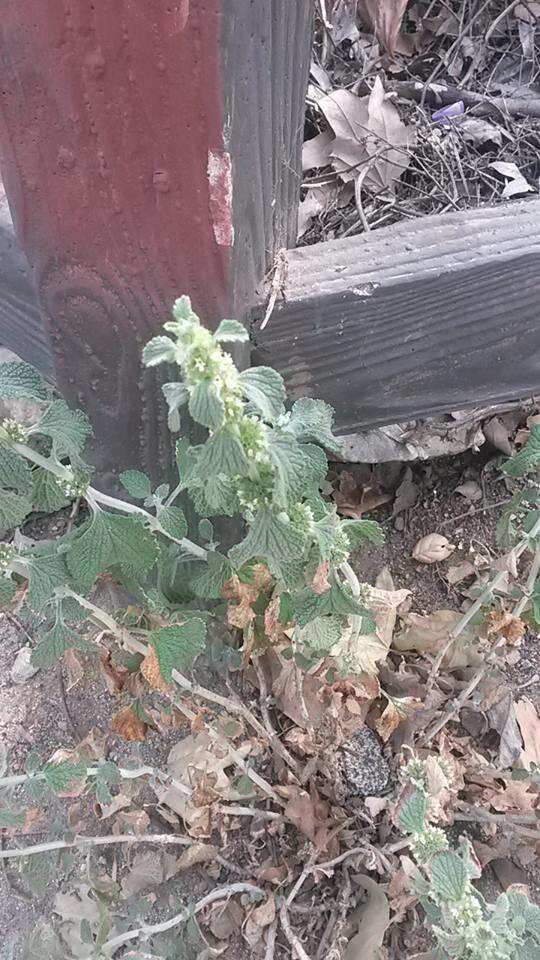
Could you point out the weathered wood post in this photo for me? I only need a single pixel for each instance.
(147, 149)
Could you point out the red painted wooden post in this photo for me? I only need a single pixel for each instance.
(148, 149)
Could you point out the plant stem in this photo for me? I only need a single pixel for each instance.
(529, 586)
(124, 772)
(95, 496)
(104, 619)
(148, 930)
(86, 842)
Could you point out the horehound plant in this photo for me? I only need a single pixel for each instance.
(259, 462)
(464, 924)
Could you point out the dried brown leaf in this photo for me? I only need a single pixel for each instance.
(429, 634)
(396, 710)
(529, 725)
(432, 548)
(320, 582)
(152, 673)
(114, 674)
(502, 623)
(461, 571)
(373, 918)
(384, 17)
(128, 725)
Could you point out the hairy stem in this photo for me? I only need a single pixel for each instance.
(83, 843)
(95, 496)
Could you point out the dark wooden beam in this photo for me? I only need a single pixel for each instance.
(429, 316)
(147, 150)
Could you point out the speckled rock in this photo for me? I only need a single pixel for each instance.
(365, 768)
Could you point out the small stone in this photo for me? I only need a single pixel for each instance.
(365, 768)
(23, 669)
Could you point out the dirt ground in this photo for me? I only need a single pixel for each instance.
(54, 709)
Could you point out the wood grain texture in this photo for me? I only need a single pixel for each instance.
(21, 326)
(412, 321)
(126, 136)
(266, 53)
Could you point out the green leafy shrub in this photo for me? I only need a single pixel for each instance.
(260, 463)
(466, 927)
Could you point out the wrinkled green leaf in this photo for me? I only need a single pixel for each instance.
(176, 395)
(68, 429)
(47, 495)
(320, 634)
(363, 531)
(45, 574)
(528, 457)
(231, 331)
(64, 776)
(136, 483)
(298, 467)
(53, 645)
(159, 350)
(14, 509)
(412, 815)
(209, 583)
(312, 420)
(8, 589)
(15, 472)
(271, 538)
(265, 389)
(449, 877)
(173, 521)
(223, 453)
(109, 540)
(206, 406)
(178, 647)
(20, 381)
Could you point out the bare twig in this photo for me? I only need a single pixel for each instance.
(495, 23)
(271, 941)
(529, 586)
(235, 756)
(273, 738)
(266, 731)
(474, 512)
(84, 843)
(278, 284)
(148, 930)
(443, 94)
(294, 941)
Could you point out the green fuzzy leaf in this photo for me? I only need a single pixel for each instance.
(321, 634)
(178, 647)
(173, 521)
(109, 540)
(449, 878)
(15, 472)
(44, 944)
(64, 776)
(363, 531)
(313, 420)
(270, 538)
(206, 530)
(209, 583)
(176, 395)
(265, 389)
(181, 452)
(222, 453)
(53, 645)
(206, 406)
(325, 533)
(412, 815)
(47, 495)
(182, 309)
(19, 381)
(68, 429)
(528, 457)
(14, 509)
(214, 498)
(45, 574)
(8, 589)
(231, 331)
(136, 483)
(159, 350)
(298, 467)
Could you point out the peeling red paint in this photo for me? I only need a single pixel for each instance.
(221, 191)
(181, 15)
